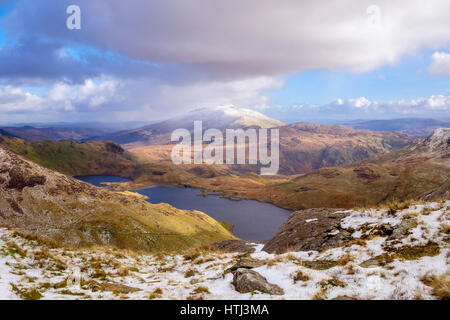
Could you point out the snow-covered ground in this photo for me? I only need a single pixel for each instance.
(30, 270)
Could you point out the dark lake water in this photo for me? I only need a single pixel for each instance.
(97, 180)
(252, 220)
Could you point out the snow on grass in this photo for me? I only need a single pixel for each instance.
(31, 270)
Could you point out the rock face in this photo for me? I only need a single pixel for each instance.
(439, 140)
(246, 280)
(311, 229)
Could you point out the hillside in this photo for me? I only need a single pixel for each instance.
(399, 175)
(305, 147)
(56, 131)
(73, 158)
(41, 203)
(33, 134)
(368, 254)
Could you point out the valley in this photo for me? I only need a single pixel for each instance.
(145, 228)
(224, 150)
(320, 165)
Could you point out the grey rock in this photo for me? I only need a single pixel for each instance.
(402, 230)
(311, 229)
(245, 280)
(248, 263)
(377, 261)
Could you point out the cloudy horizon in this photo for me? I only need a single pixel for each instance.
(147, 61)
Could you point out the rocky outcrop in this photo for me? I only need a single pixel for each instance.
(245, 280)
(443, 192)
(234, 246)
(439, 140)
(311, 229)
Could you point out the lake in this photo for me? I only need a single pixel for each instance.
(252, 220)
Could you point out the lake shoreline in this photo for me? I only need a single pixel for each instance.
(252, 219)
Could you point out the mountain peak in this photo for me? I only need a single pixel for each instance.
(236, 116)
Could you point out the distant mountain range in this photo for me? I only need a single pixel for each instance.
(325, 165)
(418, 171)
(63, 131)
(303, 146)
(412, 126)
(33, 134)
(142, 133)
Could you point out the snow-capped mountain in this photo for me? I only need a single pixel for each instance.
(234, 117)
(220, 117)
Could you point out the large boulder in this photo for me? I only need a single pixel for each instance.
(312, 229)
(246, 280)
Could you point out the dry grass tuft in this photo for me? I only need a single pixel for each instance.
(200, 290)
(190, 273)
(440, 285)
(332, 282)
(156, 293)
(300, 276)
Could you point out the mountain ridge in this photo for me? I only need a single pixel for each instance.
(412, 126)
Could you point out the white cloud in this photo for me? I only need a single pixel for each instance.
(440, 64)
(89, 95)
(160, 101)
(436, 105)
(13, 99)
(137, 99)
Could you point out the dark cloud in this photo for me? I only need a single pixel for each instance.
(229, 40)
(31, 59)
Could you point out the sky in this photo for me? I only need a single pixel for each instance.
(321, 61)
